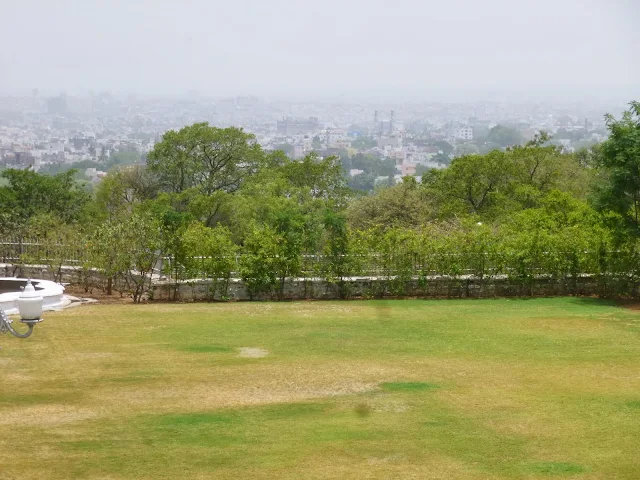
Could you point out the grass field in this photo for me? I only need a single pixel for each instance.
(489, 389)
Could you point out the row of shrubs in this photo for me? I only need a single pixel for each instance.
(129, 255)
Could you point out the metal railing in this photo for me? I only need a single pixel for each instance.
(19, 250)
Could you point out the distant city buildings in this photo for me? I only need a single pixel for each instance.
(43, 132)
(337, 138)
(296, 126)
(464, 133)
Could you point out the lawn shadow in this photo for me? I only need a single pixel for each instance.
(581, 301)
(598, 302)
(205, 348)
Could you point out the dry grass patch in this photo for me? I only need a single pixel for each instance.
(252, 352)
(407, 389)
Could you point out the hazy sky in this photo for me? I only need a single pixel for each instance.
(298, 46)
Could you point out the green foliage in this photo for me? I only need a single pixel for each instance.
(121, 158)
(342, 258)
(79, 167)
(29, 194)
(446, 147)
(363, 143)
(128, 249)
(211, 253)
(10, 221)
(321, 178)
(619, 161)
(207, 158)
(58, 244)
(441, 159)
(122, 189)
(394, 252)
(278, 216)
(505, 136)
(270, 257)
(499, 183)
(171, 224)
(286, 148)
(561, 239)
(372, 168)
(472, 184)
(466, 149)
(404, 205)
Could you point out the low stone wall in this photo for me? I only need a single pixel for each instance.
(68, 274)
(369, 287)
(359, 287)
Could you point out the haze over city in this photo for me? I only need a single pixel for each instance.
(454, 49)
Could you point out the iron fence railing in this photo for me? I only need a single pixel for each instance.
(398, 264)
(406, 265)
(21, 250)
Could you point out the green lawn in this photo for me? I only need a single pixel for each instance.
(486, 389)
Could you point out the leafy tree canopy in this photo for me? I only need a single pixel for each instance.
(207, 158)
(363, 142)
(504, 136)
(619, 161)
(29, 193)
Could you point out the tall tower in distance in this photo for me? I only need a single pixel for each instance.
(391, 122)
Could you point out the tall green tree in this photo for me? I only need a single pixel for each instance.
(473, 184)
(404, 205)
(128, 248)
(320, 178)
(123, 189)
(505, 136)
(619, 162)
(206, 158)
(212, 253)
(272, 255)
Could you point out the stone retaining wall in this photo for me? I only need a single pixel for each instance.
(437, 287)
(360, 287)
(69, 274)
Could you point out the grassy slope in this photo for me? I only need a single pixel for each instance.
(380, 389)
